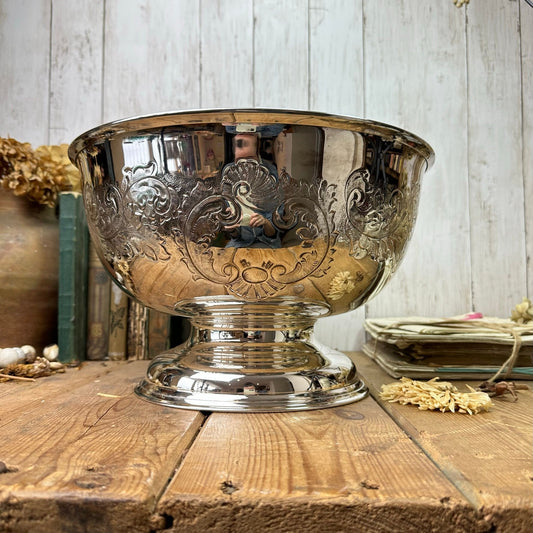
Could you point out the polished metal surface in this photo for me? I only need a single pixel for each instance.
(252, 223)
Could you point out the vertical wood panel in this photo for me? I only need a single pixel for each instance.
(475, 227)
(24, 67)
(495, 157)
(227, 53)
(281, 54)
(152, 57)
(415, 79)
(336, 86)
(526, 24)
(76, 68)
(336, 57)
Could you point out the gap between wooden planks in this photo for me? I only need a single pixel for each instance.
(488, 456)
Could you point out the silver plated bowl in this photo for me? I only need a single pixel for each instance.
(253, 224)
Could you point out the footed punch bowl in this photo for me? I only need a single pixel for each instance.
(253, 224)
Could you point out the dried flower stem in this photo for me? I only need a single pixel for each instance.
(9, 376)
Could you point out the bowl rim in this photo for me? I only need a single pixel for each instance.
(255, 115)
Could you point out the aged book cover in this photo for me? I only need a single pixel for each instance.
(72, 284)
(453, 348)
(98, 298)
(398, 365)
(158, 332)
(137, 342)
(118, 324)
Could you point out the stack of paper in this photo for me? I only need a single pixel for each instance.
(449, 348)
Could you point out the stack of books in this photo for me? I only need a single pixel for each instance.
(425, 348)
(96, 319)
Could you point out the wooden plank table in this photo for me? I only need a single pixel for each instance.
(80, 453)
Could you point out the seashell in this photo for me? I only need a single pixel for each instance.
(30, 352)
(11, 356)
(51, 352)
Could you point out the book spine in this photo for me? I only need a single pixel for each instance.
(158, 332)
(118, 324)
(99, 288)
(137, 331)
(72, 284)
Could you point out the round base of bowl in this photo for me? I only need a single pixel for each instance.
(169, 381)
(274, 368)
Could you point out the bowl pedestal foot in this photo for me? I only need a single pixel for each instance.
(252, 358)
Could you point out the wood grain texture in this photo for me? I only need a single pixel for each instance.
(104, 464)
(342, 469)
(24, 64)
(336, 57)
(227, 55)
(35, 391)
(526, 25)
(152, 57)
(495, 157)
(460, 78)
(423, 88)
(281, 50)
(76, 68)
(487, 456)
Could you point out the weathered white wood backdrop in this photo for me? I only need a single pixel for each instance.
(460, 78)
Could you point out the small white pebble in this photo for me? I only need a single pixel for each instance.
(30, 352)
(10, 356)
(51, 352)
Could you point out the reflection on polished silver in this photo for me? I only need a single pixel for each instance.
(254, 224)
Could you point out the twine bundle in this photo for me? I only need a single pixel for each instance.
(503, 327)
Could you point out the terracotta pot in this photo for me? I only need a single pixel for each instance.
(29, 262)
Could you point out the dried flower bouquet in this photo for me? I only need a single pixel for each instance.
(40, 174)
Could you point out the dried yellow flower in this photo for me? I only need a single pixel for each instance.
(39, 175)
(523, 312)
(56, 161)
(436, 395)
(342, 284)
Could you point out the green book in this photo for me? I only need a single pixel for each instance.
(72, 289)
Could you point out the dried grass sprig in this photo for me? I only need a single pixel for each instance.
(435, 395)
